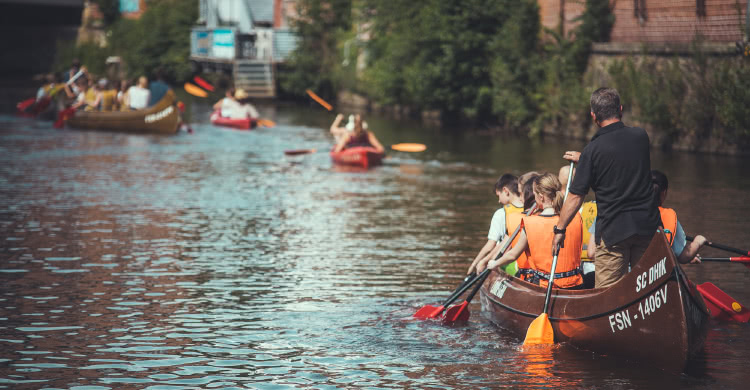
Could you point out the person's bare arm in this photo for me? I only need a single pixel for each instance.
(374, 142)
(509, 255)
(569, 210)
(591, 249)
(487, 248)
(572, 155)
(688, 254)
(342, 142)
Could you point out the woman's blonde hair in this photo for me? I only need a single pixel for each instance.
(548, 185)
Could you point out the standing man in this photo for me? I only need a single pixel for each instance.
(616, 164)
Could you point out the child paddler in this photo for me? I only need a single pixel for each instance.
(506, 190)
(536, 236)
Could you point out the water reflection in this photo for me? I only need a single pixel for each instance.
(212, 260)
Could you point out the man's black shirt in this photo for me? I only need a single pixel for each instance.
(616, 164)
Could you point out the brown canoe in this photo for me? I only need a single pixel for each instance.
(163, 118)
(654, 315)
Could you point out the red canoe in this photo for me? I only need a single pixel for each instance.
(242, 124)
(359, 156)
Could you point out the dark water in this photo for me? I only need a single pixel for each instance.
(212, 260)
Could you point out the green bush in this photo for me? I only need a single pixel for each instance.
(159, 39)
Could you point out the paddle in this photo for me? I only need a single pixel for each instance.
(319, 100)
(195, 90)
(203, 83)
(461, 312)
(741, 259)
(721, 305)
(540, 330)
(425, 310)
(403, 147)
(438, 310)
(723, 247)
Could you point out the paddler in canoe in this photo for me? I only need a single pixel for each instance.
(536, 235)
(509, 196)
(616, 165)
(359, 137)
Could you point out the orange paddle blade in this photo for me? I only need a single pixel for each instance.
(203, 83)
(319, 100)
(540, 331)
(195, 90)
(265, 123)
(409, 147)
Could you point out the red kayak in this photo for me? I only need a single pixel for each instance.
(242, 124)
(360, 156)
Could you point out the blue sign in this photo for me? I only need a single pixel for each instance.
(127, 6)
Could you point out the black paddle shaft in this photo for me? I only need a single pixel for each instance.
(723, 247)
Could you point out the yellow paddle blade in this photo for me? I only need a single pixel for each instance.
(319, 100)
(409, 147)
(195, 90)
(265, 123)
(540, 331)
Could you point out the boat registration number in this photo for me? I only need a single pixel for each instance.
(498, 288)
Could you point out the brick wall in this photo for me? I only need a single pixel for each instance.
(660, 21)
(549, 11)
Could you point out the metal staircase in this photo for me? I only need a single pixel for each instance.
(255, 77)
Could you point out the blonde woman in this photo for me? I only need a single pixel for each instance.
(359, 137)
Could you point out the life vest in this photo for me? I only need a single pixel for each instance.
(361, 139)
(512, 267)
(669, 222)
(539, 234)
(588, 215)
(108, 99)
(512, 221)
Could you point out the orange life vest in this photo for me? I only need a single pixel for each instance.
(669, 221)
(512, 221)
(539, 234)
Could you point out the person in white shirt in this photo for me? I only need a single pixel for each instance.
(244, 109)
(139, 94)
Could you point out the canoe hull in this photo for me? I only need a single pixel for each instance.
(161, 118)
(241, 124)
(359, 156)
(654, 315)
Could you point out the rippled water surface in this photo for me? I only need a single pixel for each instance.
(212, 260)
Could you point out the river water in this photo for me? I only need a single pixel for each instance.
(212, 260)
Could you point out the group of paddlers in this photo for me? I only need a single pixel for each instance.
(594, 243)
(82, 90)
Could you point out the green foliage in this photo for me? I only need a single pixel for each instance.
(316, 60)
(159, 39)
(110, 9)
(680, 97)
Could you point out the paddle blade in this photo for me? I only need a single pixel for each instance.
(22, 106)
(406, 147)
(425, 311)
(721, 305)
(195, 90)
(319, 100)
(457, 314)
(265, 123)
(540, 331)
(63, 116)
(203, 83)
(299, 151)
